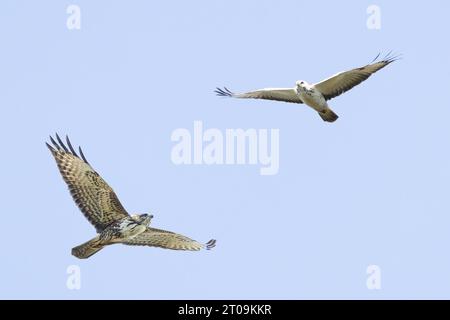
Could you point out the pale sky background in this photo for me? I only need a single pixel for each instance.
(369, 189)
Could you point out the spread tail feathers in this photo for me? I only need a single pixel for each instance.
(328, 115)
(87, 249)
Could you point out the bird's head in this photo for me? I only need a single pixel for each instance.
(143, 219)
(301, 84)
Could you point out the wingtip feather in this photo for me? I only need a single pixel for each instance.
(390, 57)
(82, 155)
(225, 92)
(211, 244)
(61, 143)
(387, 58)
(52, 150)
(56, 145)
(72, 150)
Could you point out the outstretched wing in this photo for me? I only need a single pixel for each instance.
(95, 198)
(278, 94)
(168, 240)
(344, 81)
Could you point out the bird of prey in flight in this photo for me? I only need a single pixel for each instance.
(316, 95)
(102, 208)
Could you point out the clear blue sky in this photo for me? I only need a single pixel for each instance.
(369, 189)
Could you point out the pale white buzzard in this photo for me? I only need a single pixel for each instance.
(316, 95)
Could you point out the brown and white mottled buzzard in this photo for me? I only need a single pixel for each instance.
(100, 205)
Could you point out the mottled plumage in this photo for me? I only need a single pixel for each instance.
(95, 198)
(100, 205)
(167, 239)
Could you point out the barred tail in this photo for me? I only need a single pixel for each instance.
(328, 115)
(87, 249)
